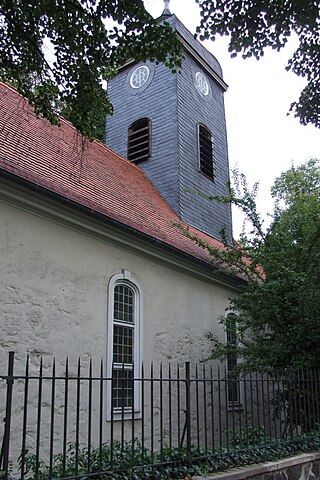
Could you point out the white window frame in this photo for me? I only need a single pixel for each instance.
(125, 278)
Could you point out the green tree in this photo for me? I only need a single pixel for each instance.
(278, 311)
(255, 25)
(89, 40)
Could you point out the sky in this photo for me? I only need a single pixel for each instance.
(263, 140)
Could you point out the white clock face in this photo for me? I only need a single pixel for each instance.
(139, 76)
(202, 84)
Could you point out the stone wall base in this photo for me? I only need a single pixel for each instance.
(300, 467)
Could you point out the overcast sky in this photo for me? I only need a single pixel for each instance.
(263, 141)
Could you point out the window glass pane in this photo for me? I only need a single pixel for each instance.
(122, 388)
(123, 344)
(123, 304)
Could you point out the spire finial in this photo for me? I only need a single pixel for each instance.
(166, 10)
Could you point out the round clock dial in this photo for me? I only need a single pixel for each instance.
(202, 83)
(139, 76)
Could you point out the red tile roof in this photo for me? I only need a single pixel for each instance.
(89, 173)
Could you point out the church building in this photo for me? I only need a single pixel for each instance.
(92, 262)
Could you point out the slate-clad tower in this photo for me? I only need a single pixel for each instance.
(173, 126)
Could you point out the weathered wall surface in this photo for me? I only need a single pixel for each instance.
(54, 302)
(54, 295)
(301, 467)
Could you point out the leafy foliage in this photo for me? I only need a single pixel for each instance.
(133, 461)
(253, 26)
(90, 40)
(278, 309)
(251, 436)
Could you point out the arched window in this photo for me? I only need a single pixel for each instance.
(206, 153)
(139, 140)
(232, 360)
(124, 344)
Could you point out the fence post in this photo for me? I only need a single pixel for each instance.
(4, 457)
(188, 412)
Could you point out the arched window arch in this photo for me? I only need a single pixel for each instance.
(139, 140)
(206, 152)
(124, 351)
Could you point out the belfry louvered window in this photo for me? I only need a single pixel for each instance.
(206, 154)
(139, 135)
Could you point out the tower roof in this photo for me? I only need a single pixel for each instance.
(166, 12)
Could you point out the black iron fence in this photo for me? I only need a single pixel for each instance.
(70, 421)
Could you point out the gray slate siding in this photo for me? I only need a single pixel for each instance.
(195, 44)
(175, 108)
(157, 102)
(195, 109)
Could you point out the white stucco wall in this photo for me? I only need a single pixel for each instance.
(54, 294)
(54, 302)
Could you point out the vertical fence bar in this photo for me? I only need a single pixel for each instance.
(151, 413)
(274, 410)
(170, 411)
(300, 418)
(178, 407)
(89, 417)
(78, 393)
(238, 386)
(188, 411)
(263, 407)
(290, 407)
(122, 408)
(142, 414)
(65, 419)
(25, 418)
(132, 417)
(212, 409)
(226, 405)
(316, 385)
(219, 408)
(251, 399)
(38, 436)
(205, 400)
(257, 400)
(269, 406)
(295, 405)
(53, 390)
(161, 412)
(313, 398)
(245, 406)
(5, 451)
(304, 401)
(197, 409)
(101, 416)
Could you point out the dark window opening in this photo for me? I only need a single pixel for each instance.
(206, 152)
(139, 135)
(232, 360)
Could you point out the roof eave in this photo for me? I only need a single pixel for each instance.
(225, 279)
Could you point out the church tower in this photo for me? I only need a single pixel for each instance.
(173, 127)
